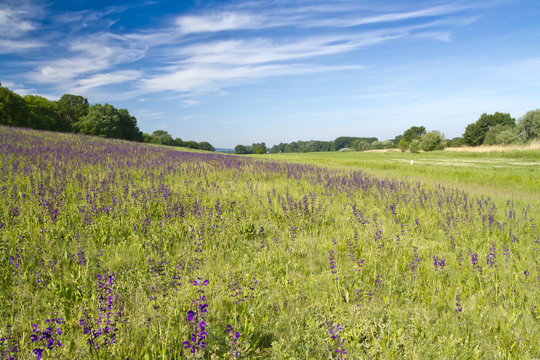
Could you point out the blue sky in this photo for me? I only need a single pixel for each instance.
(238, 72)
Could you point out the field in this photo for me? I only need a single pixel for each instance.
(499, 173)
(115, 250)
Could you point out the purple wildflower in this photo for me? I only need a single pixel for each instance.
(234, 342)
(333, 266)
(415, 262)
(196, 343)
(438, 262)
(337, 340)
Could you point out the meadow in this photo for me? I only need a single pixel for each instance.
(114, 250)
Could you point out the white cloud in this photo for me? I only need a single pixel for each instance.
(199, 78)
(217, 22)
(188, 57)
(17, 46)
(15, 22)
(145, 115)
(105, 79)
(190, 102)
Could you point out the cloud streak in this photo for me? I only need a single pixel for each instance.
(193, 55)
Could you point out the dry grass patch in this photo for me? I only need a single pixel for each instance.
(533, 145)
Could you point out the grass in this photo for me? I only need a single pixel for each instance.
(503, 175)
(128, 250)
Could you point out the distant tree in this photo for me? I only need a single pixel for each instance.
(414, 146)
(191, 144)
(529, 125)
(127, 127)
(259, 148)
(147, 138)
(242, 149)
(403, 145)
(455, 142)
(107, 121)
(343, 142)
(432, 140)
(414, 132)
(509, 136)
(72, 108)
(411, 134)
(204, 145)
(13, 109)
(280, 148)
(492, 134)
(475, 133)
(292, 147)
(162, 137)
(43, 113)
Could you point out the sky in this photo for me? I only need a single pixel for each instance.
(240, 72)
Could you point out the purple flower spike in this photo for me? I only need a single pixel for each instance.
(39, 353)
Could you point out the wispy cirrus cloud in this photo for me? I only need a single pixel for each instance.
(16, 22)
(192, 55)
(198, 78)
(219, 21)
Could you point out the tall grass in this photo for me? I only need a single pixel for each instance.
(115, 250)
(533, 145)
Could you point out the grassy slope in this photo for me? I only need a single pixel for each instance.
(309, 249)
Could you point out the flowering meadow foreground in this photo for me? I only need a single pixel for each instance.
(115, 250)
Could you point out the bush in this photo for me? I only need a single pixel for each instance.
(529, 125)
(414, 147)
(432, 140)
(403, 145)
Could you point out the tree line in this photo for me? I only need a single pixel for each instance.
(73, 113)
(489, 129)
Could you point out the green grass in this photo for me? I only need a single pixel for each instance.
(290, 251)
(511, 175)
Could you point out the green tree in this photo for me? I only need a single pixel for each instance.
(259, 148)
(509, 136)
(343, 142)
(475, 133)
(191, 144)
(107, 121)
(491, 137)
(205, 145)
(162, 137)
(242, 149)
(43, 113)
(146, 138)
(72, 108)
(279, 148)
(13, 109)
(414, 132)
(432, 140)
(455, 142)
(529, 125)
(403, 145)
(414, 146)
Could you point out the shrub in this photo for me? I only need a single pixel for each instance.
(432, 140)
